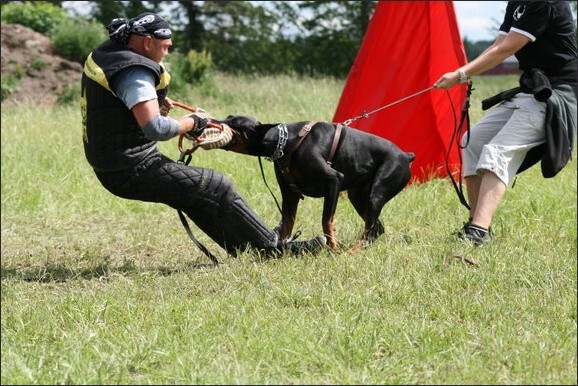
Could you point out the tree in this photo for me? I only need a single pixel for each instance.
(474, 49)
(307, 37)
(106, 10)
(335, 31)
(186, 17)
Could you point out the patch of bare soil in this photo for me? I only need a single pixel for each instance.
(46, 75)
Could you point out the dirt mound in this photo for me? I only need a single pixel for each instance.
(46, 75)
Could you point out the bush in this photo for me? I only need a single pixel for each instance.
(197, 66)
(10, 81)
(76, 43)
(191, 69)
(70, 95)
(40, 16)
(38, 64)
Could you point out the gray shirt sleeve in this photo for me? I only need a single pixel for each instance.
(137, 84)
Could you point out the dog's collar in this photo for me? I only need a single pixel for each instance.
(281, 142)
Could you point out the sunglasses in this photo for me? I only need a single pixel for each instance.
(163, 33)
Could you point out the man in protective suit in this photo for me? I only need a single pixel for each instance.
(124, 87)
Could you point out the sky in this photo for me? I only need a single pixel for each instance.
(475, 18)
(479, 20)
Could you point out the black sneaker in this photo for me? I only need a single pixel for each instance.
(305, 246)
(474, 234)
(293, 247)
(460, 234)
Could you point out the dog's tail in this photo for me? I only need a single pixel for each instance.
(410, 156)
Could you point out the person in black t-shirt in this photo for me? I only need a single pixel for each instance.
(529, 118)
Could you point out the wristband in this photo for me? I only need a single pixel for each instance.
(463, 77)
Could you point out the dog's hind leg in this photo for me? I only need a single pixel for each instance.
(389, 180)
(333, 184)
(359, 198)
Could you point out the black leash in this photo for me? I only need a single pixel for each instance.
(185, 158)
(267, 185)
(457, 136)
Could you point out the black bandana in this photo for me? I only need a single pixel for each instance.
(144, 24)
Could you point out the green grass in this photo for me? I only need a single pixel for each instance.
(97, 289)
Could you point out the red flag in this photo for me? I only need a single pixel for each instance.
(408, 45)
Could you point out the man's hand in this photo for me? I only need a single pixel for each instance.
(448, 80)
(198, 128)
(166, 107)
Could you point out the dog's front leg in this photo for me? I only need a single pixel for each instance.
(289, 204)
(288, 213)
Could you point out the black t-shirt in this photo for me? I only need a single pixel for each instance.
(550, 27)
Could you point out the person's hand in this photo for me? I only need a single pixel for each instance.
(166, 107)
(448, 80)
(198, 127)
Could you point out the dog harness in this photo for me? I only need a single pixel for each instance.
(284, 160)
(338, 130)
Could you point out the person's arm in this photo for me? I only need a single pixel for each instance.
(496, 42)
(135, 86)
(504, 47)
(148, 111)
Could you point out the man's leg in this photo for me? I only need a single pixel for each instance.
(473, 190)
(490, 193)
(473, 145)
(499, 158)
(210, 200)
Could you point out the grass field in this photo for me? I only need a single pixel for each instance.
(101, 290)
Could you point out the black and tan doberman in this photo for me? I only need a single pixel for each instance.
(322, 159)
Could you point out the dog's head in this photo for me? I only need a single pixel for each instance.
(242, 123)
(243, 128)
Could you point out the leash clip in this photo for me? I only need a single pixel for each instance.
(185, 157)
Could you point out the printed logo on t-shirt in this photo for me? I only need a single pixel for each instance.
(519, 12)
